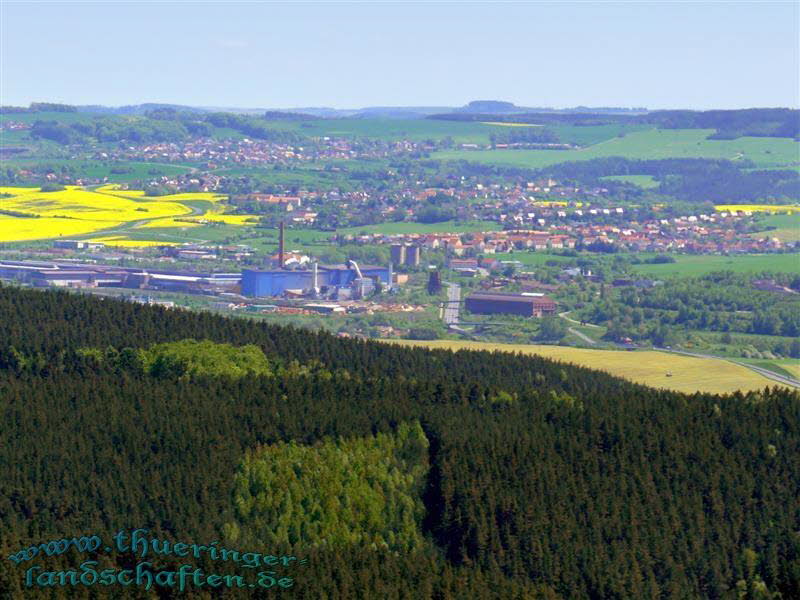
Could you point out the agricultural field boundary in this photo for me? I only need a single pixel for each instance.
(687, 373)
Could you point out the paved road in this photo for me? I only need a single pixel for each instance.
(761, 371)
(583, 336)
(451, 306)
(765, 372)
(563, 315)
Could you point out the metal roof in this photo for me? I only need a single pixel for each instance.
(509, 297)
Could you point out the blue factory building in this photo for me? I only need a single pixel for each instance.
(274, 282)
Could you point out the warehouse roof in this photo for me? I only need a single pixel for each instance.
(509, 297)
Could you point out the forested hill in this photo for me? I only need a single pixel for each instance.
(394, 472)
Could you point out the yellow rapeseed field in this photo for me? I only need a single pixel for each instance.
(551, 203)
(649, 367)
(772, 208)
(76, 211)
(227, 219)
(116, 190)
(14, 229)
(123, 242)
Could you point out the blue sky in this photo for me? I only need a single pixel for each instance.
(659, 55)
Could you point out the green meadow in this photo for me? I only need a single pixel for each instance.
(786, 227)
(650, 144)
(99, 169)
(696, 265)
(643, 181)
(461, 132)
(394, 129)
(405, 227)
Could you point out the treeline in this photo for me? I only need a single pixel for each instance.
(546, 480)
(254, 127)
(722, 301)
(729, 124)
(525, 135)
(578, 119)
(36, 107)
(159, 125)
(687, 181)
(277, 115)
(109, 129)
(690, 179)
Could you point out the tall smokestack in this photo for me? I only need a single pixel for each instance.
(280, 246)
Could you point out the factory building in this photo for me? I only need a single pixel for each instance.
(527, 304)
(275, 282)
(60, 274)
(78, 245)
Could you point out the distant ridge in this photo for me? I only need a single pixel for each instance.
(138, 109)
(485, 107)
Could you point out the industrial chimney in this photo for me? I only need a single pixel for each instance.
(280, 246)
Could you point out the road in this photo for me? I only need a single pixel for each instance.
(126, 227)
(761, 371)
(452, 305)
(765, 372)
(583, 336)
(564, 316)
(451, 308)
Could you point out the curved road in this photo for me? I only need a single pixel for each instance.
(791, 382)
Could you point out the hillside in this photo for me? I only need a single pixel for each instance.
(656, 369)
(541, 480)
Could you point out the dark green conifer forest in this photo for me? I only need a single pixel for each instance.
(501, 476)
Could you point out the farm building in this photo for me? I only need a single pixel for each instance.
(527, 304)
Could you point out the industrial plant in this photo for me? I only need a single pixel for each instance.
(336, 282)
(279, 278)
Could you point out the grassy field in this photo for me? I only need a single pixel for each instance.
(647, 366)
(532, 258)
(100, 169)
(322, 175)
(395, 129)
(643, 181)
(31, 118)
(404, 227)
(787, 227)
(788, 367)
(182, 233)
(461, 132)
(122, 241)
(651, 144)
(693, 266)
(589, 135)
